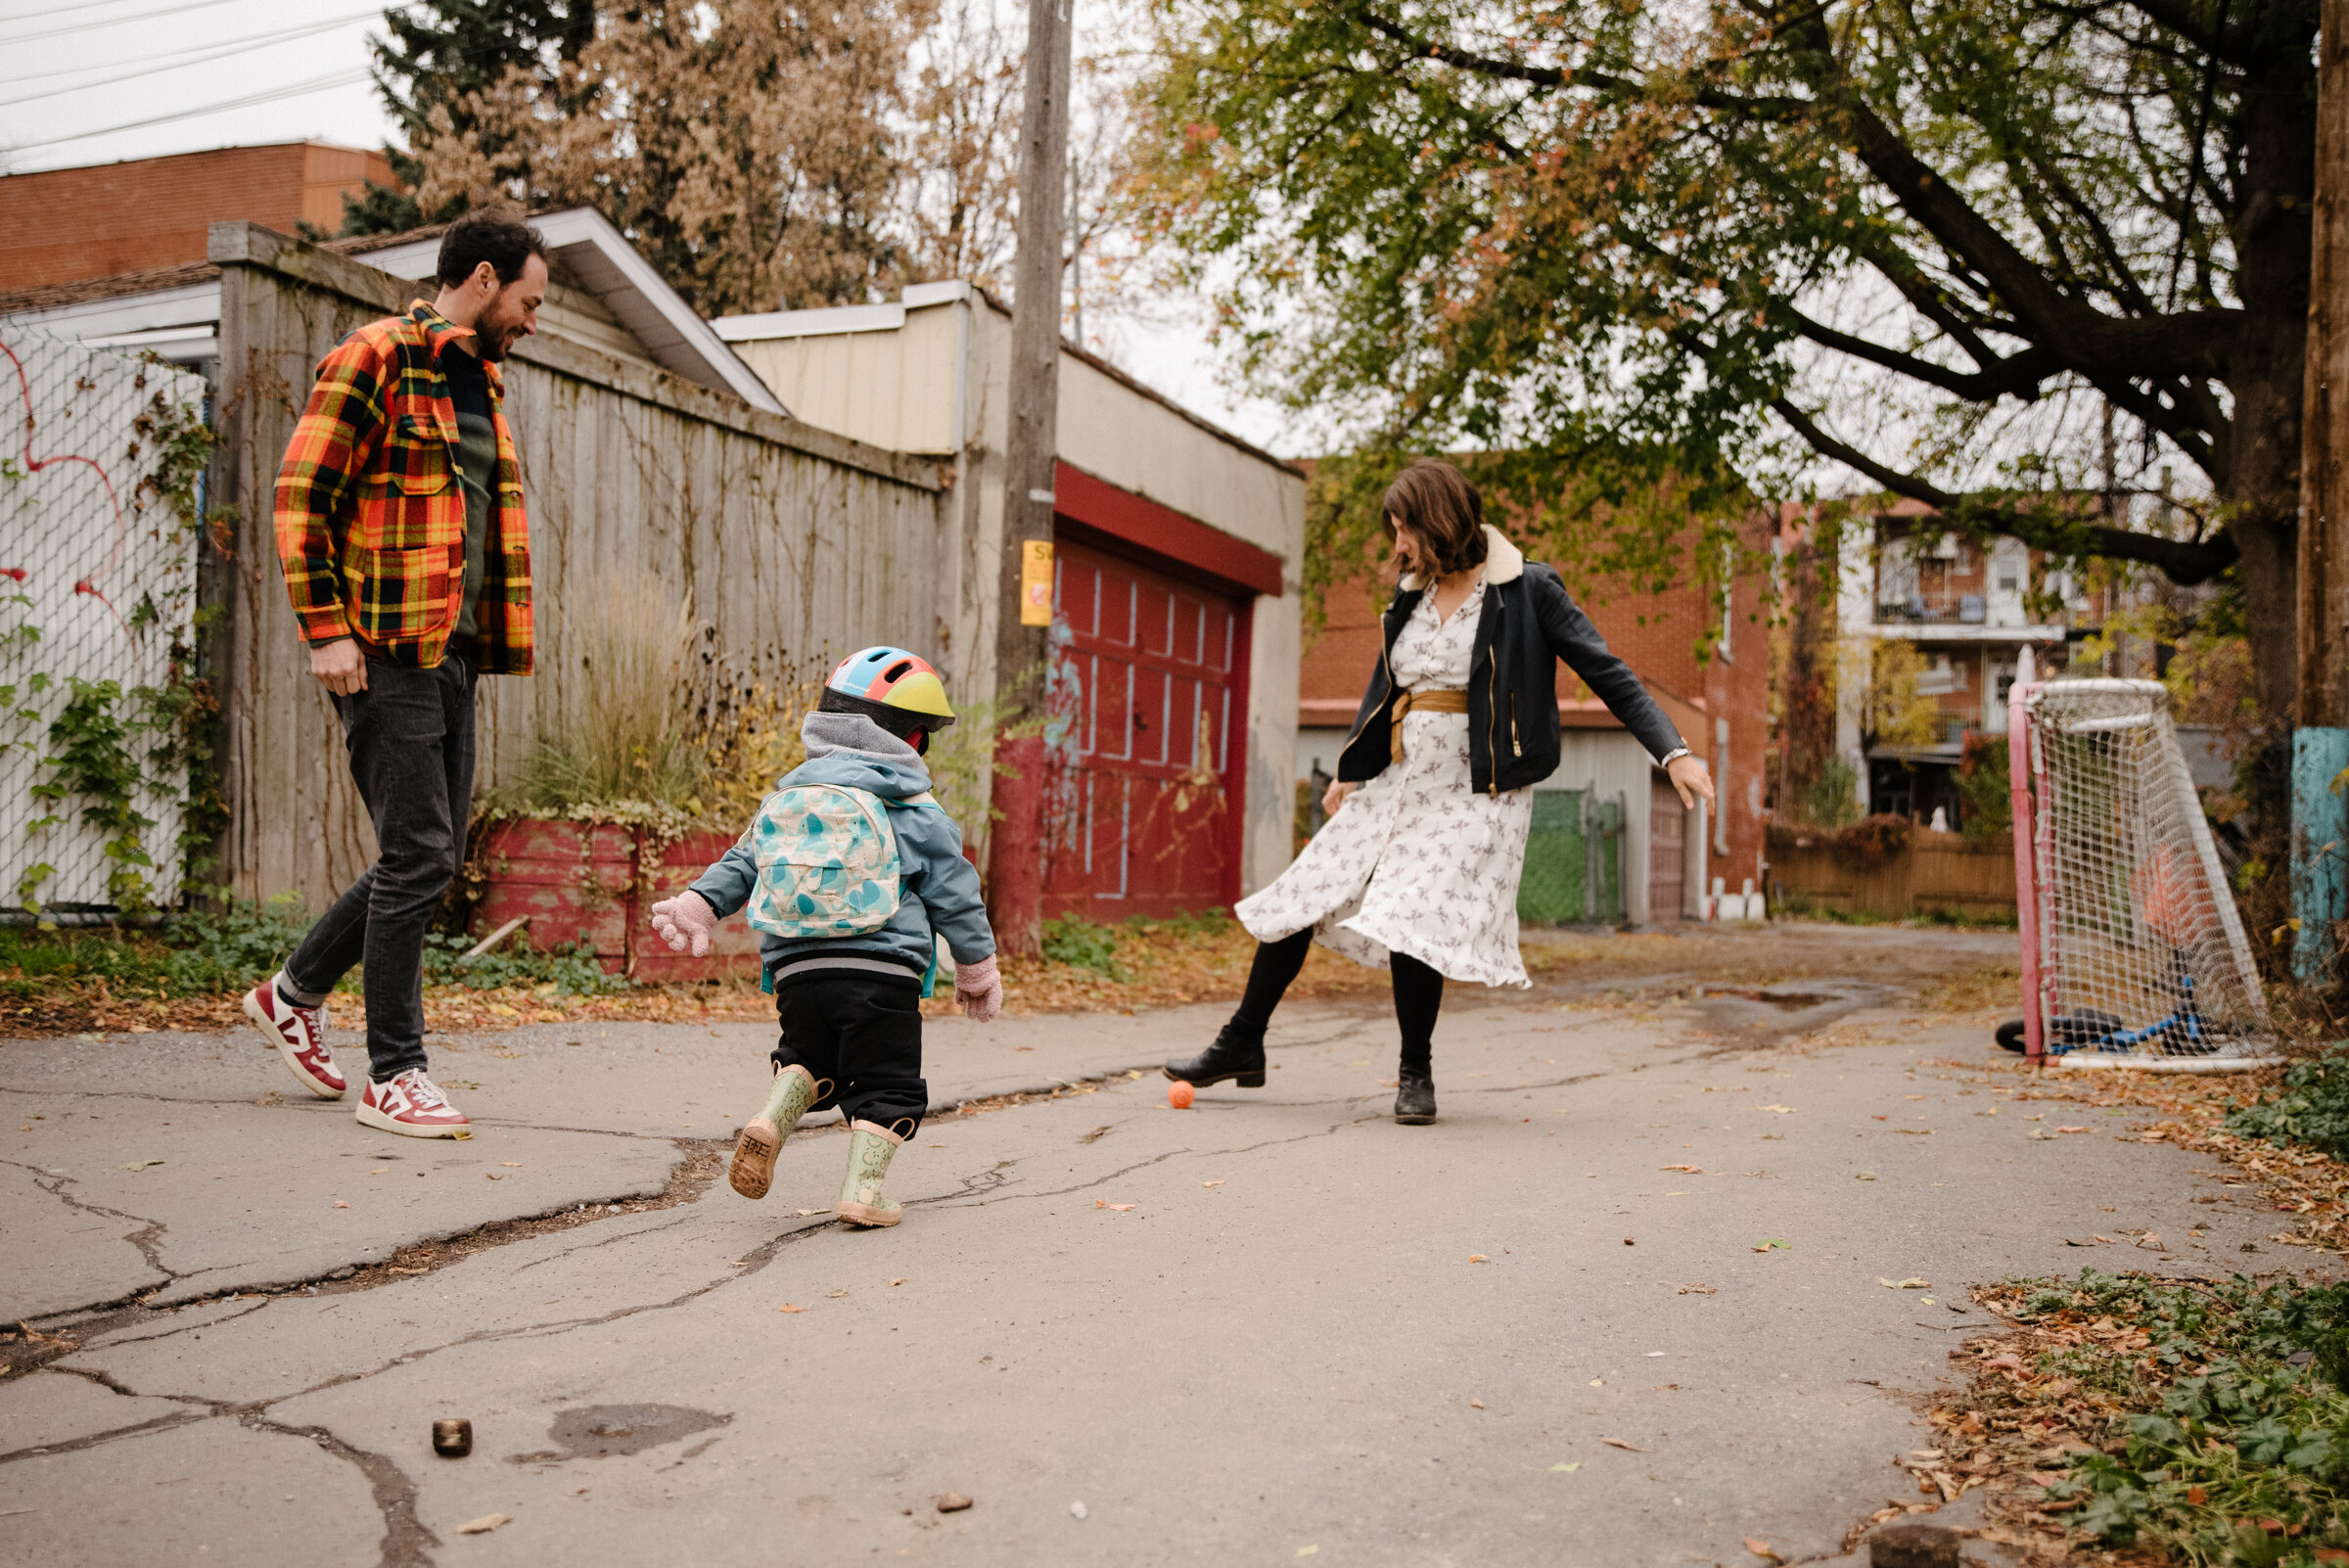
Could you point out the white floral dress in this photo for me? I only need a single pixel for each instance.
(1416, 862)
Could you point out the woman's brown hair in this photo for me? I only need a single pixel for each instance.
(1436, 502)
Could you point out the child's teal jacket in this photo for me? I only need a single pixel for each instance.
(939, 888)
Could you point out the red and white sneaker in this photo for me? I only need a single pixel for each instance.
(299, 1036)
(414, 1106)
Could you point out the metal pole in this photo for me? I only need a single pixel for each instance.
(2022, 821)
(1023, 630)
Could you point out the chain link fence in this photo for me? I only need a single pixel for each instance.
(97, 591)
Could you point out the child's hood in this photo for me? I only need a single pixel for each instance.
(850, 749)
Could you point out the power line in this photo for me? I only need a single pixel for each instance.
(316, 84)
(182, 56)
(110, 21)
(218, 52)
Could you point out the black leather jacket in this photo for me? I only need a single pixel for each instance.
(1528, 624)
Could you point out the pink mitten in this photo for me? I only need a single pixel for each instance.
(979, 990)
(685, 921)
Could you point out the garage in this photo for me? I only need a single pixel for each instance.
(1147, 698)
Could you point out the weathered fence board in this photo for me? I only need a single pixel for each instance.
(789, 543)
(1933, 871)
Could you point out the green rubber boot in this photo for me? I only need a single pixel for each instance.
(787, 1100)
(870, 1148)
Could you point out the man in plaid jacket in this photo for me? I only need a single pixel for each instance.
(406, 554)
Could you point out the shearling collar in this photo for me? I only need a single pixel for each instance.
(1503, 563)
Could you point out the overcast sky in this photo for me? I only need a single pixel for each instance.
(94, 81)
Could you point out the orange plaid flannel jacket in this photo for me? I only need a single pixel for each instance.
(371, 514)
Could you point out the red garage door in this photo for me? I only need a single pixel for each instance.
(1143, 803)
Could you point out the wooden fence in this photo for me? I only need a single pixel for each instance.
(1932, 871)
(788, 541)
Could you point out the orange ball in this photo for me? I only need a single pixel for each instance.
(1178, 1095)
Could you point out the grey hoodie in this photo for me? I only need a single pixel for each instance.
(940, 889)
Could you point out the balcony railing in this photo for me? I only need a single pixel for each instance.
(1921, 609)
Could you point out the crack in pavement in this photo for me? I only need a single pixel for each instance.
(148, 1240)
(590, 1246)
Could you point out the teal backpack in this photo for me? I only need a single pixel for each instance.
(827, 862)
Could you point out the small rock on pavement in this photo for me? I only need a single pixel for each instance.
(952, 1502)
(1076, 1510)
(1913, 1544)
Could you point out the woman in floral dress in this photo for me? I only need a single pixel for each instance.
(1417, 870)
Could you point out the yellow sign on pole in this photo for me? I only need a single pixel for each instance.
(1036, 583)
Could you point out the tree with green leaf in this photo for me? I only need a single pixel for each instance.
(2005, 257)
(434, 57)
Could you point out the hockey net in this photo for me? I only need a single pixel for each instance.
(2143, 961)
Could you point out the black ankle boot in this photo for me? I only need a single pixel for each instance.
(1414, 1098)
(1237, 1054)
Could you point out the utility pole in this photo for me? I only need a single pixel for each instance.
(2321, 740)
(1023, 627)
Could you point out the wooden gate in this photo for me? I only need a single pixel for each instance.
(1142, 786)
(1667, 844)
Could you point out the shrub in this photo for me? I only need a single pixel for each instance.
(1082, 944)
(2310, 1108)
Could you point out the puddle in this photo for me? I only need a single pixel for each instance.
(1776, 996)
(599, 1431)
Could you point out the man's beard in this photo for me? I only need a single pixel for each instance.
(493, 344)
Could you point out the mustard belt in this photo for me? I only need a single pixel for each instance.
(1454, 701)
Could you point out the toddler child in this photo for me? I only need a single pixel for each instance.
(851, 873)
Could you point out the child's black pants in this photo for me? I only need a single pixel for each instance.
(859, 1034)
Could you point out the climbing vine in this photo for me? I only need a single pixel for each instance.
(109, 745)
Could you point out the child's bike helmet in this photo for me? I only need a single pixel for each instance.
(896, 688)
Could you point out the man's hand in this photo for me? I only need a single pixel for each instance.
(1335, 796)
(978, 986)
(684, 921)
(1691, 777)
(339, 665)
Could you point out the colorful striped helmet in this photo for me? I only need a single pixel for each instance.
(892, 679)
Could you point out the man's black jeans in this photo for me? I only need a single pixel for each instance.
(410, 737)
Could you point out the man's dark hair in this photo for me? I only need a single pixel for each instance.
(1435, 500)
(493, 234)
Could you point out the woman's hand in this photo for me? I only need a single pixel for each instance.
(1335, 796)
(1690, 775)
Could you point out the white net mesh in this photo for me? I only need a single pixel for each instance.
(2143, 958)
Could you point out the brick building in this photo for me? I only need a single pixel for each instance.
(1610, 840)
(61, 225)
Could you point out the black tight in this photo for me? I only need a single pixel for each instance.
(1418, 994)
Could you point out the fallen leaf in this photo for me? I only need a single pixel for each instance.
(2041, 1117)
(1690, 1169)
(511, 1164)
(1916, 1132)
(2152, 1241)
(1618, 1443)
(2197, 1496)
(1598, 1382)
(1772, 1243)
(1478, 1257)
(141, 1164)
(2075, 1129)
(484, 1524)
(1697, 1288)
(896, 1281)
(952, 1502)
(492, 1176)
(1567, 1469)
(1865, 1176)
(340, 1204)
(1782, 1110)
(1216, 1184)
(1476, 1404)
(787, 1306)
(1307, 1551)
(1760, 1549)
(2107, 1240)
(805, 1212)
(833, 1295)
(1118, 1208)
(1904, 1284)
